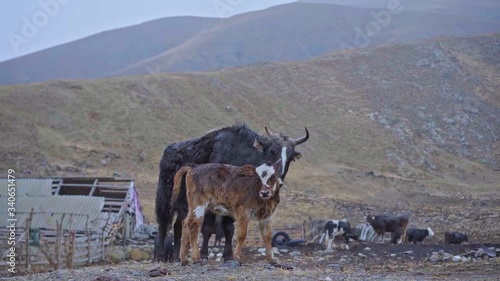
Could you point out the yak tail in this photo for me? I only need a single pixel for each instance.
(176, 191)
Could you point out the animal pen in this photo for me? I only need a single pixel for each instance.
(68, 222)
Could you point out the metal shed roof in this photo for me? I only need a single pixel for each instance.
(47, 211)
(28, 187)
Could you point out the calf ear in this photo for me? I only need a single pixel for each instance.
(258, 145)
(248, 170)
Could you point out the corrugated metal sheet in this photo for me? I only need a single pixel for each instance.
(50, 210)
(28, 187)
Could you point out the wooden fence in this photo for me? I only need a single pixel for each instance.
(44, 248)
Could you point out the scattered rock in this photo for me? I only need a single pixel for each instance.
(367, 249)
(139, 255)
(393, 255)
(362, 255)
(328, 279)
(456, 258)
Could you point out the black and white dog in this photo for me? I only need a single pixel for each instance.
(335, 228)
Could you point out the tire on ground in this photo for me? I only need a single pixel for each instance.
(280, 239)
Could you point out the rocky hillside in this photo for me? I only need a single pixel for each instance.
(290, 32)
(407, 125)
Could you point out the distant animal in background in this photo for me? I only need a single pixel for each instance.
(454, 237)
(416, 235)
(388, 223)
(314, 230)
(335, 228)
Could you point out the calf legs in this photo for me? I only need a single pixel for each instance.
(190, 231)
(265, 231)
(241, 235)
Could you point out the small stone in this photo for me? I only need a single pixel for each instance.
(393, 255)
(362, 255)
(104, 162)
(434, 258)
(211, 255)
(219, 255)
(367, 249)
(261, 250)
(217, 259)
(215, 249)
(284, 250)
(441, 252)
(275, 251)
(295, 253)
(456, 258)
(328, 279)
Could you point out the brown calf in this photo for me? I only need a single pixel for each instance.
(245, 193)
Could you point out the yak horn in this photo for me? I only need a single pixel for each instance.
(302, 139)
(269, 132)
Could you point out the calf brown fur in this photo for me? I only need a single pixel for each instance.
(245, 193)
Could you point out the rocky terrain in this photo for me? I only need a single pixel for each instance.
(364, 261)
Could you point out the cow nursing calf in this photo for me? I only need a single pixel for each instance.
(236, 145)
(387, 223)
(244, 193)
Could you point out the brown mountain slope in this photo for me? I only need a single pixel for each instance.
(415, 124)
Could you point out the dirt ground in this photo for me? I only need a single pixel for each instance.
(364, 261)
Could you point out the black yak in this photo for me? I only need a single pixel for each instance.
(236, 145)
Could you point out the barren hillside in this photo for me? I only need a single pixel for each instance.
(396, 126)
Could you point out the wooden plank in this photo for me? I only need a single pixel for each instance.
(91, 185)
(94, 186)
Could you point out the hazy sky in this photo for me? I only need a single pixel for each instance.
(31, 25)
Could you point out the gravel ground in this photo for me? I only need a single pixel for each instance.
(365, 261)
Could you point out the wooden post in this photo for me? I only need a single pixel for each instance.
(103, 246)
(87, 233)
(28, 229)
(58, 241)
(73, 235)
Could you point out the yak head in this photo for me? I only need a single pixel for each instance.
(280, 147)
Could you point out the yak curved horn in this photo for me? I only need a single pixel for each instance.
(269, 132)
(302, 139)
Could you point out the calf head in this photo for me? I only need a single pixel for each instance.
(277, 146)
(269, 177)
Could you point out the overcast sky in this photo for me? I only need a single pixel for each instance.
(27, 26)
